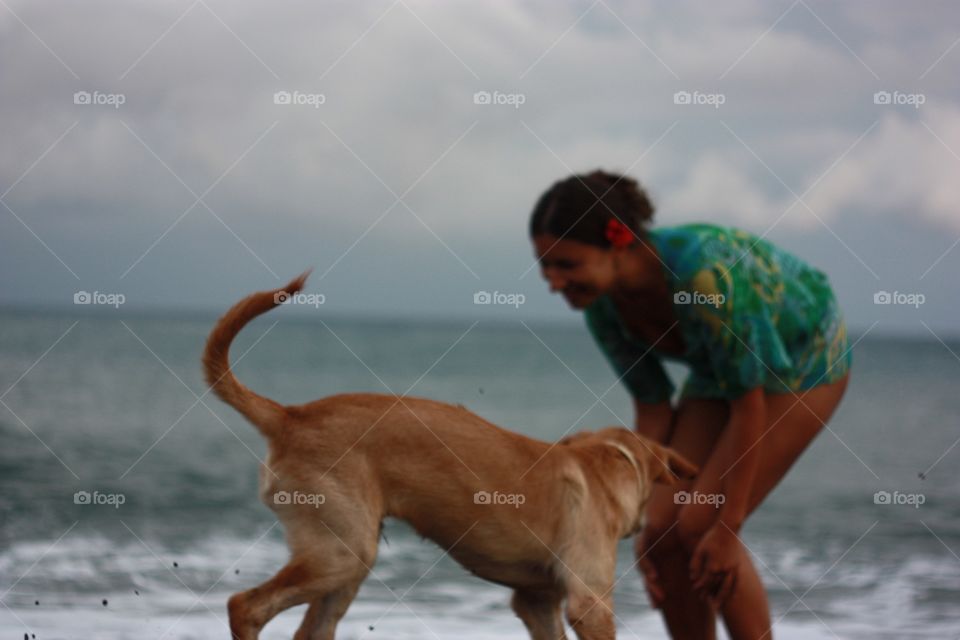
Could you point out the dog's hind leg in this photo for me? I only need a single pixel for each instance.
(252, 609)
(324, 613)
(322, 576)
(540, 612)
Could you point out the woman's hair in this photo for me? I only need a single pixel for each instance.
(580, 207)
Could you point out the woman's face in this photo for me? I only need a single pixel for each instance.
(581, 272)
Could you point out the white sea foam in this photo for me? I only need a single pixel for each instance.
(188, 601)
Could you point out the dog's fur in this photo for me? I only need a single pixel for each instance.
(371, 456)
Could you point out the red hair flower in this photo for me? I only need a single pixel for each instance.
(619, 234)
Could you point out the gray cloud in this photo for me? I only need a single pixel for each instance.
(292, 185)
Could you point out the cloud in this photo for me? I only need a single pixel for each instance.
(720, 191)
(399, 97)
(908, 165)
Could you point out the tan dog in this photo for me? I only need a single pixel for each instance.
(540, 518)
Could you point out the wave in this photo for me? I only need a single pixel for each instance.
(153, 587)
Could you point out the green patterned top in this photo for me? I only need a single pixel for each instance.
(750, 313)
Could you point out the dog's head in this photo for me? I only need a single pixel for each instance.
(657, 463)
(629, 465)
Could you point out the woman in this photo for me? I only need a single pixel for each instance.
(767, 349)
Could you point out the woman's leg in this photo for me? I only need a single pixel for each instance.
(793, 420)
(698, 424)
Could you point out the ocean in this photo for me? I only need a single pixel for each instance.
(128, 507)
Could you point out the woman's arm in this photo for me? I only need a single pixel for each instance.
(654, 420)
(747, 419)
(713, 566)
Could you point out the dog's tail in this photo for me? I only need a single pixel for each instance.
(265, 414)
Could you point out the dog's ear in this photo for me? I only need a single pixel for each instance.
(674, 467)
(666, 466)
(573, 437)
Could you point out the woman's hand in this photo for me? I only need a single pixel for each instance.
(714, 564)
(650, 578)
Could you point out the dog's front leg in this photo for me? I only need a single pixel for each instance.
(540, 612)
(590, 612)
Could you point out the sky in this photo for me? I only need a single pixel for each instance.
(182, 154)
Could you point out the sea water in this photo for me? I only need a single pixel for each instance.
(108, 405)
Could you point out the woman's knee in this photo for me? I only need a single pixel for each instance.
(656, 541)
(659, 535)
(693, 521)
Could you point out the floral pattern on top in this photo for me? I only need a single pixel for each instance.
(751, 315)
